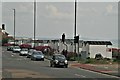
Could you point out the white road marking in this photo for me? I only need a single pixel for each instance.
(21, 56)
(106, 67)
(80, 75)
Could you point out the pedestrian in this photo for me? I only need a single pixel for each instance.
(63, 52)
(66, 53)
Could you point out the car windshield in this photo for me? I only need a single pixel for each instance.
(60, 57)
(24, 49)
(17, 47)
(31, 50)
(38, 53)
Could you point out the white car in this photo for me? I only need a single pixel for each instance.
(23, 51)
(16, 49)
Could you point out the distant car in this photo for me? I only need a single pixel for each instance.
(58, 60)
(10, 48)
(16, 49)
(23, 52)
(30, 53)
(37, 55)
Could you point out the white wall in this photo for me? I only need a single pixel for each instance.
(70, 48)
(94, 49)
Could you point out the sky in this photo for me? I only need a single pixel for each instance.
(95, 20)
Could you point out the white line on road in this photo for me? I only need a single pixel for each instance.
(80, 75)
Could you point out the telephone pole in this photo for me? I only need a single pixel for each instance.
(34, 21)
(75, 27)
(14, 24)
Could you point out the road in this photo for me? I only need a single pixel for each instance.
(15, 66)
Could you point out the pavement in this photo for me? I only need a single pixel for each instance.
(111, 69)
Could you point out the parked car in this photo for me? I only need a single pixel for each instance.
(58, 60)
(10, 48)
(24, 51)
(16, 49)
(37, 55)
(30, 53)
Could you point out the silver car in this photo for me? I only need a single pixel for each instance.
(23, 52)
(37, 55)
(16, 49)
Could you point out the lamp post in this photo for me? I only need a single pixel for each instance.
(34, 21)
(75, 27)
(14, 24)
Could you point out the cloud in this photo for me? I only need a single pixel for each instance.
(83, 11)
(109, 8)
(56, 13)
(25, 7)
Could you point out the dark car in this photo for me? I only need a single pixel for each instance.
(58, 60)
(37, 55)
(10, 48)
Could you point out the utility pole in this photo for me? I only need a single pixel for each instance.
(34, 21)
(78, 50)
(75, 27)
(14, 24)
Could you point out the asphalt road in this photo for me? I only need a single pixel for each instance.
(15, 66)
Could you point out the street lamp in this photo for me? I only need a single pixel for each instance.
(34, 21)
(14, 24)
(75, 26)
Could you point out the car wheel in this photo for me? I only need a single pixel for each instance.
(42, 59)
(34, 59)
(50, 65)
(66, 66)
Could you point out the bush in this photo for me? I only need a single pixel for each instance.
(4, 40)
(107, 59)
(71, 55)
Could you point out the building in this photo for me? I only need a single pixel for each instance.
(91, 48)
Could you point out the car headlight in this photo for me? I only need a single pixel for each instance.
(42, 56)
(35, 56)
(56, 61)
(66, 61)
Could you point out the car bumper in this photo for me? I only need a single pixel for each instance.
(61, 64)
(16, 51)
(23, 54)
(39, 58)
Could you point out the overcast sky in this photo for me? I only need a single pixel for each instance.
(98, 20)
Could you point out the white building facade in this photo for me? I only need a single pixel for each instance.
(91, 48)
